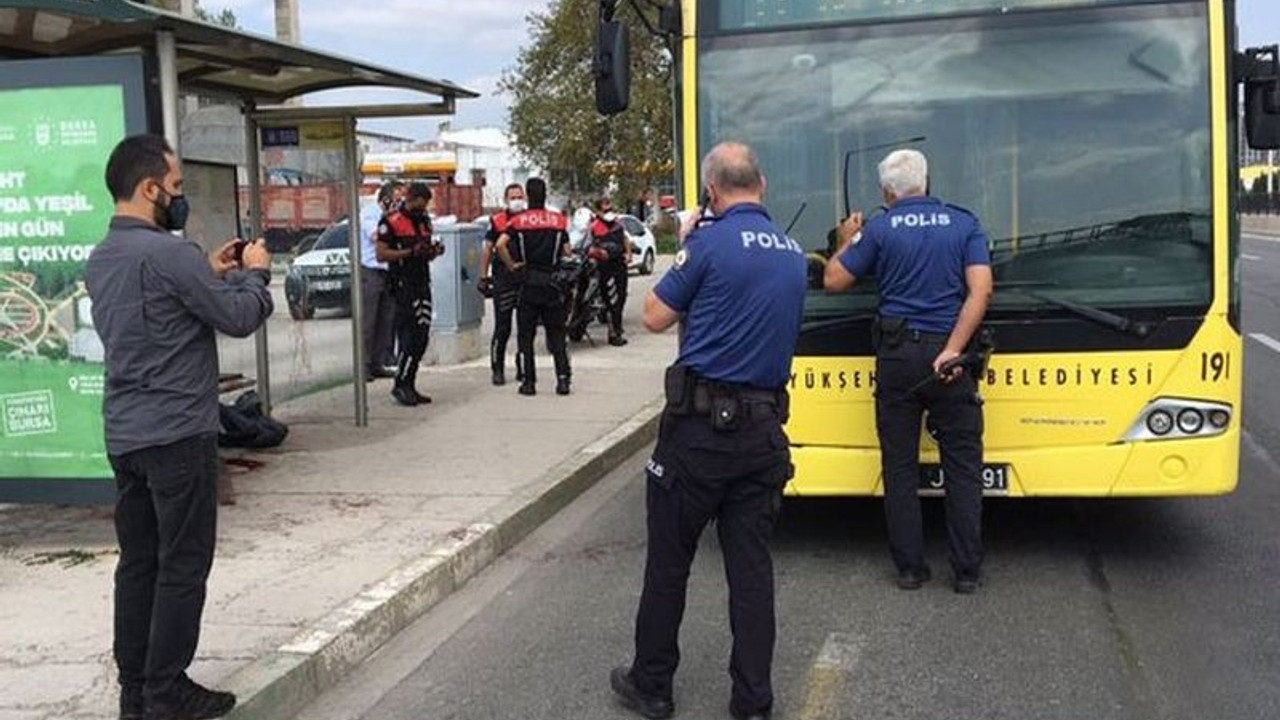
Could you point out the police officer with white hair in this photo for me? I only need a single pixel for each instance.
(738, 284)
(934, 270)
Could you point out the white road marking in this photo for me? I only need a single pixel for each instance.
(1267, 340)
(1264, 238)
(834, 665)
(1250, 257)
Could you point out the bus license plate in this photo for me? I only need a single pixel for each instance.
(995, 479)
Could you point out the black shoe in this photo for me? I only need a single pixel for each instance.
(650, 706)
(405, 396)
(913, 578)
(190, 701)
(527, 389)
(422, 399)
(617, 341)
(499, 377)
(967, 583)
(376, 372)
(132, 706)
(562, 386)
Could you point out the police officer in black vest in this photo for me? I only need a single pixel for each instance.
(934, 271)
(531, 249)
(405, 242)
(738, 284)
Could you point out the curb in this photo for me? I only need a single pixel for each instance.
(281, 683)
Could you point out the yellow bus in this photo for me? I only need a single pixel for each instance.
(1095, 140)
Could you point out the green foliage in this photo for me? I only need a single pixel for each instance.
(553, 117)
(225, 17)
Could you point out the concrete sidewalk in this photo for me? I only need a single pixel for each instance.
(338, 539)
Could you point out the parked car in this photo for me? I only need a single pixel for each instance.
(644, 247)
(321, 277)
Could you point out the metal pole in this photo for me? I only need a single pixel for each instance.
(167, 58)
(253, 168)
(357, 271)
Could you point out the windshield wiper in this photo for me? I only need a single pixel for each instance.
(1112, 320)
(816, 325)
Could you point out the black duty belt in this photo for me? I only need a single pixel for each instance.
(924, 337)
(689, 394)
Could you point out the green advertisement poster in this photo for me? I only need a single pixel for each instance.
(54, 207)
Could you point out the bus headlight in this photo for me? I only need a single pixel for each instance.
(1159, 422)
(1190, 421)
(1175, 418)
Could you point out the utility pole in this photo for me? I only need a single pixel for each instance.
(288, 27)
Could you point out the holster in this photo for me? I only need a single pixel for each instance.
(888, 333)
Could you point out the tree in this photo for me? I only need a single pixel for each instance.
(226, 17)
(553, 119)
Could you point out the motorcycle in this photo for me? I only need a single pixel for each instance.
(585, 302)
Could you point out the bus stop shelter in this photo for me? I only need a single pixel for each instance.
(259, 75)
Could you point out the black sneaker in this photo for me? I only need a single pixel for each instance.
(617, 341)
(132, 706)
(562, 386)
(914, 578)
(190, 701)
(499, 377)
(967, 583)
(422, 399)
(650, 706)
(527, 389)
(405, 396)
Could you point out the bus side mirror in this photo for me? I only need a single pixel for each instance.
(613, 68)
(1260, 73)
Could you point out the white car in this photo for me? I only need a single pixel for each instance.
(644, 247)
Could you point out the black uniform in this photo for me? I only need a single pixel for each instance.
(411, 285)
(919, 252)
(506, 298)
(722, 453)
(538, 238)
(611, 239)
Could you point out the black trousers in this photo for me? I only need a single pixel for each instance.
(413, 330)
(955, 412)
(379, 318)
(613, 283)
(543, 306)
(506, 298)
(735, 478)
(166, 524)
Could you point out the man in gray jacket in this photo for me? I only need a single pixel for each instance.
(157, 302)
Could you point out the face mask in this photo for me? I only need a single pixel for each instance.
(518, 206)
(609, 217)
(173, 217)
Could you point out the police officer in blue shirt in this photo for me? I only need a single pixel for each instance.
(739, 286)
(934, 271)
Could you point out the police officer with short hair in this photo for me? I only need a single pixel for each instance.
(934, 269)
(739, 286)
(404, 242)
(532, 247)
(500, 285)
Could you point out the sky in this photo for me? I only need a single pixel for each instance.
(471, 42)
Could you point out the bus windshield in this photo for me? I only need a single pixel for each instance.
(1080, 138)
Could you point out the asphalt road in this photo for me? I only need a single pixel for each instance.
(1143, 610)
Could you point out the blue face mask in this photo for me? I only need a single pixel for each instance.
(173, 216)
